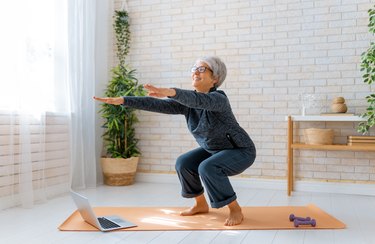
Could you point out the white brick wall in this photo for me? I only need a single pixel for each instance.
(49, 153)
(274, 51)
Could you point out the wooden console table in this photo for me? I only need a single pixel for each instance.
(300, 146)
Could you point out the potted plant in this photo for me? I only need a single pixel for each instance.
(122, 155)
(368, 69)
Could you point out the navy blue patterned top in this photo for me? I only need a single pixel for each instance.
(209, 117)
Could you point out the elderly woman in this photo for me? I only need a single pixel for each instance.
(225, 149)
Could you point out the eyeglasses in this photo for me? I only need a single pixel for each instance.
(201, 69)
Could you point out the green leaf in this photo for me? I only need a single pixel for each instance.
(122, 83)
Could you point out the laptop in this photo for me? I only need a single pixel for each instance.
(103, 223)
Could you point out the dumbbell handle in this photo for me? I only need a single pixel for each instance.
(292, 218)
(311, 222)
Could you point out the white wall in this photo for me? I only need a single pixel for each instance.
(274, 51)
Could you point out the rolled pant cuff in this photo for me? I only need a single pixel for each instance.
(223, 203)
(191, 195)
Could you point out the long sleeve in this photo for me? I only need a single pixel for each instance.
(212, 101)
(166, 106)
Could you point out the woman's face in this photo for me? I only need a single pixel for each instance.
(202, 82)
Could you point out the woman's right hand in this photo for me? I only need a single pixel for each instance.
(110, 100)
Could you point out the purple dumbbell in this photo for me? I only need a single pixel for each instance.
(311, 222)
(292, 217)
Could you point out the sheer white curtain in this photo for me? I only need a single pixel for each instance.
(47, 116)
(81, 16)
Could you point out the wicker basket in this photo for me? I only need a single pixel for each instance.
(318, 136)
(119, 171)
(339, 100)
(339, 108)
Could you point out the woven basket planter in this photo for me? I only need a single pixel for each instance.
(119, 171)
(315, 136)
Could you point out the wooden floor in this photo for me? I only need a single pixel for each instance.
(39, 224)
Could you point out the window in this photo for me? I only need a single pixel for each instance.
(31, 56)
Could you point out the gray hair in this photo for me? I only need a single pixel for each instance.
(217, 66)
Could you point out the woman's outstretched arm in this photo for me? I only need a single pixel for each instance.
(150, 103)
(110, 100)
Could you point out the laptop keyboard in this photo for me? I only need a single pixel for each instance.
(107, 224)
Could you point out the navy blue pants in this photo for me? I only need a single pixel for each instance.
(213, 169)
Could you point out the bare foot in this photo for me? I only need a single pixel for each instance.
(235, 215)
(200, 206)
(235, 218)
(195, 210)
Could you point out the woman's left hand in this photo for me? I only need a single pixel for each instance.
(159, 92)
(110, 100)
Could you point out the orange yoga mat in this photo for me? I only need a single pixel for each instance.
(168, 218)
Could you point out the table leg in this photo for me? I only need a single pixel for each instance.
(290, 155)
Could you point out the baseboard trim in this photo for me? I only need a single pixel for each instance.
(300, 186)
